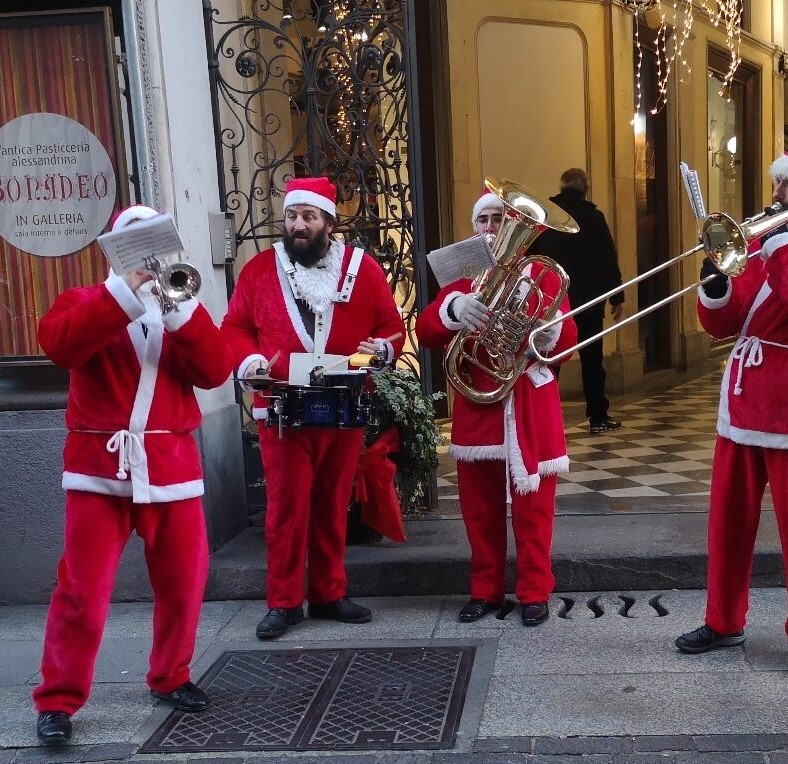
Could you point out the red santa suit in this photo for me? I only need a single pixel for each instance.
(516, 447)
(130, 464)
(309, 472)
(752, 427)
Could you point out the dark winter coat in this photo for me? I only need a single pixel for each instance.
(589, 257)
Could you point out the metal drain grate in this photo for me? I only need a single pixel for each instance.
(401, 698)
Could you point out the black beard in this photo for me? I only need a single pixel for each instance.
(309, 253)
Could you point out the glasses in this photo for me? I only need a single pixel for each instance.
(485, 219)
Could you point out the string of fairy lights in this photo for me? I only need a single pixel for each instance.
(676, 18)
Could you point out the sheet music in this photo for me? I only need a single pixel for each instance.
(692, 185)
(127, 249)
(463, 260)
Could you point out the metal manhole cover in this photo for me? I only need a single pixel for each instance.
(401, 698)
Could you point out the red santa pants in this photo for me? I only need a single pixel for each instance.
(97, 529)
(309, 480)
(739, 477)
(483, 503)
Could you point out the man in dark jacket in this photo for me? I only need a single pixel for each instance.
(589, 257)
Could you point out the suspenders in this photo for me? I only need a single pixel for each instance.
(322, 319)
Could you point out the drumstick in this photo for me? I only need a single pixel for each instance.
(273, 360)
(346, 358)
(321, 371)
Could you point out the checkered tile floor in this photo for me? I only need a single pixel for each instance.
(660, 460)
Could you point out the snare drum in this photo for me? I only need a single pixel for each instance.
(335, 407)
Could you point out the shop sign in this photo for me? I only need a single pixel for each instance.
(57, 185)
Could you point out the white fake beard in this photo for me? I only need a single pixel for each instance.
(317, 286)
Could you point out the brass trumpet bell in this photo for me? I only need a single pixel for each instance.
(173, 283)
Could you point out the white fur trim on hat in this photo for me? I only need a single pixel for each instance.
(130, 214)
(486, 200)
(302, 196)
(779, 168)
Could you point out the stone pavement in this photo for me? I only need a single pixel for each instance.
(599, 683)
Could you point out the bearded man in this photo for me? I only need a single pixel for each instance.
(306, 297)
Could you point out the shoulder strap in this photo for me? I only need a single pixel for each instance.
(350, 276)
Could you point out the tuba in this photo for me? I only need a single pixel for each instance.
(174, 283)
(515, 301)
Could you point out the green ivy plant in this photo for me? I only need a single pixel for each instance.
(399, 400)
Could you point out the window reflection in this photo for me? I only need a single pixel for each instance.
(725, 136)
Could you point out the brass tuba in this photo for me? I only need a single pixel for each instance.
(500, 348)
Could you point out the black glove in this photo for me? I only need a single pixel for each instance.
(716, 287)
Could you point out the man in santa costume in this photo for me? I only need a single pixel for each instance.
(130, 464)
(306, 298)
(514, 448)
(752, 425)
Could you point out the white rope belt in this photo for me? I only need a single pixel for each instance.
(128, 446)
(749, 352)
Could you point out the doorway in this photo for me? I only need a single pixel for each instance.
(651, 200)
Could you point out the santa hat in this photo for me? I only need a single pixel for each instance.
(319, 192)
(130, 214)
(486, 200)
(779, 168)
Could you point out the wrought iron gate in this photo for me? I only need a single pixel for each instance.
(319, 87)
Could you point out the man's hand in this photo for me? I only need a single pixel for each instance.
(135, 279)
(376, 346)
(617, 311)
(716, 287)
(258, 369)
(470, 311)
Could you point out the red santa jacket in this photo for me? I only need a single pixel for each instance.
(753, 405)
(526, 428)
(131, 406)
(263, 318)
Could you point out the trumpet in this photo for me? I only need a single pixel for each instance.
(173, 283)
(725, 243)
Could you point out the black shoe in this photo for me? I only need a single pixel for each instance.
(276, 621)
(188, 697)
(342, 610)
(476, 609)
(53, 727)
(534, 613)
(597, 426)
(704, 639)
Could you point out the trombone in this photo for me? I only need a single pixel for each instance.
(722, 239)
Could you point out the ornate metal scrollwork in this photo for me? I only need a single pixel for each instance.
(318, 87)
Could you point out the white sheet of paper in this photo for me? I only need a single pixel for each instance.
(302, 363)
(127, 249)
(465, 259)
(692, 186)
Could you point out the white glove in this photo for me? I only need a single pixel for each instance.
(469, 311)
(545, 340)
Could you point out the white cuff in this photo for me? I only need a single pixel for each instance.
(443, 312)
(175, 319)
(243, 367)
(715, 302)
(127, 299)
(389, 351)
(772, 244)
